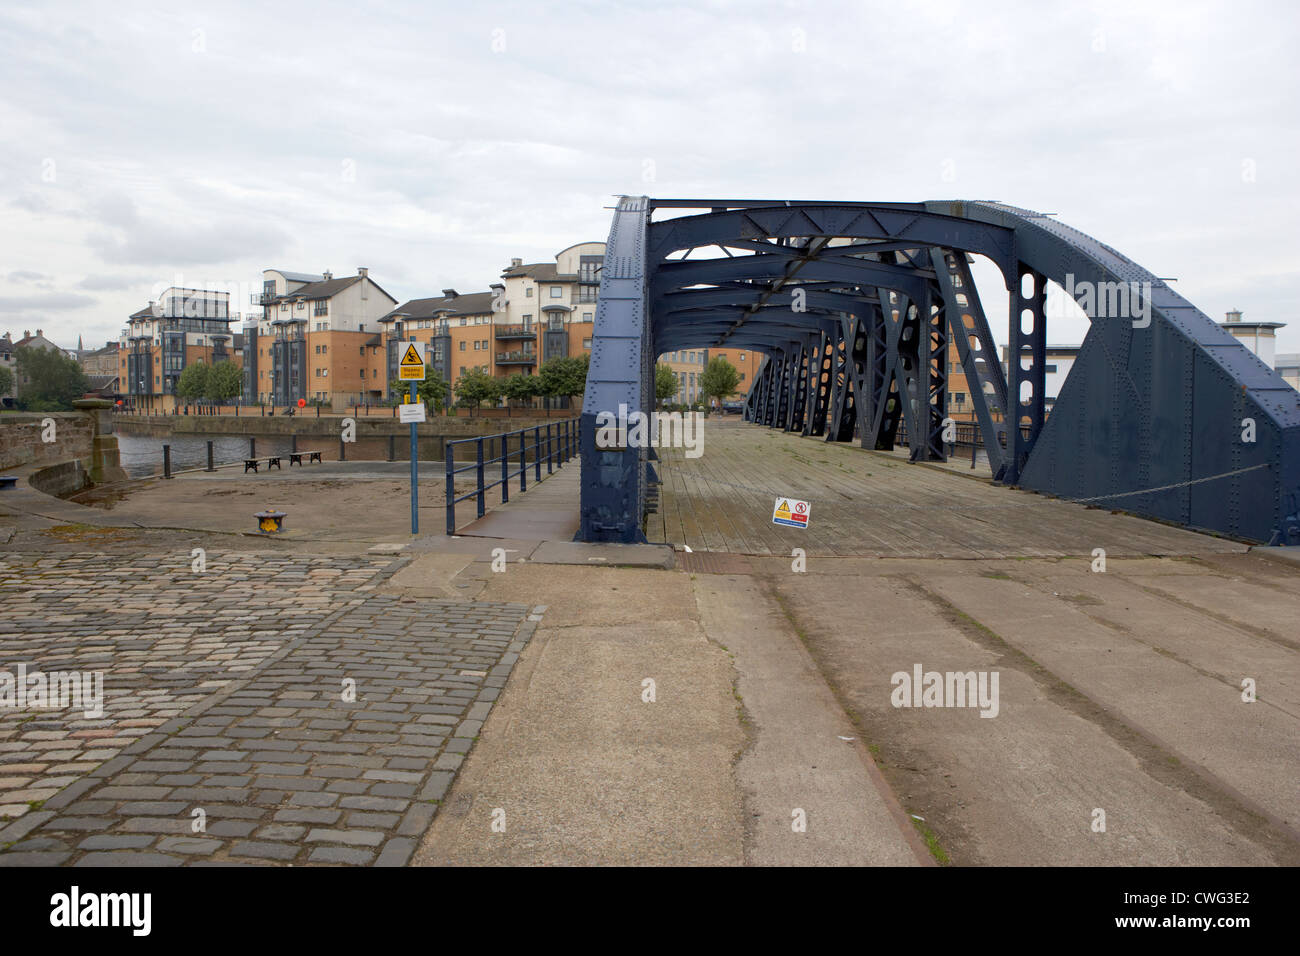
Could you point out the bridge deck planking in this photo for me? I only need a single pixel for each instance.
(872, 503)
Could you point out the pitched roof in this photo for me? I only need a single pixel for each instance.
(539, 271)
(320, 289)
(326, 288)
(475, 303)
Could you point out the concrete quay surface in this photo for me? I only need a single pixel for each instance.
(521, 700)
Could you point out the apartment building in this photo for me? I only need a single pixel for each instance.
(102, 367)
(1259, 337)
(548, 309)
(8, 361)
(456, 328)
(689, 364)
(182, 327)
(319, 338)
(1287, 364)
(539, 311)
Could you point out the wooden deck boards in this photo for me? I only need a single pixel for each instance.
(877, 504)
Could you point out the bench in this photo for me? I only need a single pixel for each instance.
(295, 458)
(8, 481)
(251, 464)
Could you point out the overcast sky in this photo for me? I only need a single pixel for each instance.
(432, 142)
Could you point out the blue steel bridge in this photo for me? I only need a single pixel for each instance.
(853, 306)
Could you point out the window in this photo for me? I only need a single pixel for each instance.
(463, 321)
(528, 292)
(586, 343)
(485, 344)
(324, 350)
(589, 268)
(462, 344)
(742, 356)
(586, 316)
(476, 345)
(318, 350)
(284, 307)
(362, 350)
(322, 307)
(363, 373)
(557, 291)
(300, 305)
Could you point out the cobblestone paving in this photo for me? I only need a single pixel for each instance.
(269, 710)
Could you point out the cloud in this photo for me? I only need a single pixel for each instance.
(51, 302)
(26, 275)
(435, 170)
(107, 283)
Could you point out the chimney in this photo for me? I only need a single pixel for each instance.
(27, 333)
(327, 275)
(363, 271)
(1233, 316)
(449, 293)
(40, 334)
(516, 263)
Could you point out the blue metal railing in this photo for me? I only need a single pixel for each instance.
(559, 439)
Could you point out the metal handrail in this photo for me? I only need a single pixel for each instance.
(561, 443)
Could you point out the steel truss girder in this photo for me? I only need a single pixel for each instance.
(1156, 408)
(913, 224)
(977, 352)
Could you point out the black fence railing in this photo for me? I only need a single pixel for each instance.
(552, 444)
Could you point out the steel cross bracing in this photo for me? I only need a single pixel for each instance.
(853, 306)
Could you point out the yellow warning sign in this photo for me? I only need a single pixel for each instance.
(411, 367)
(791, 512)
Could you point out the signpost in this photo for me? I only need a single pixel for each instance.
(411, 369)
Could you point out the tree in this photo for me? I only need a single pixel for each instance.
(474, 387)
(520, 387)
(719, 379)
(225, 380)
(665, 383)
(564, 377)
(193, 382)
(432, 391)
(50, 380)
(6, 381)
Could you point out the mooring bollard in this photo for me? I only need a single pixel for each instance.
(343, 454)
(392, 448)
(293, 443)
(269, 521)
(167, 461)
(252, 448)
(210, 468)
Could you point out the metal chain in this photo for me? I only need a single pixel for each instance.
(971, 507)
(1177, 484)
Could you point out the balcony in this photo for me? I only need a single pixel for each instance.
(515, 331)
(516, 358)
(261, 298)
